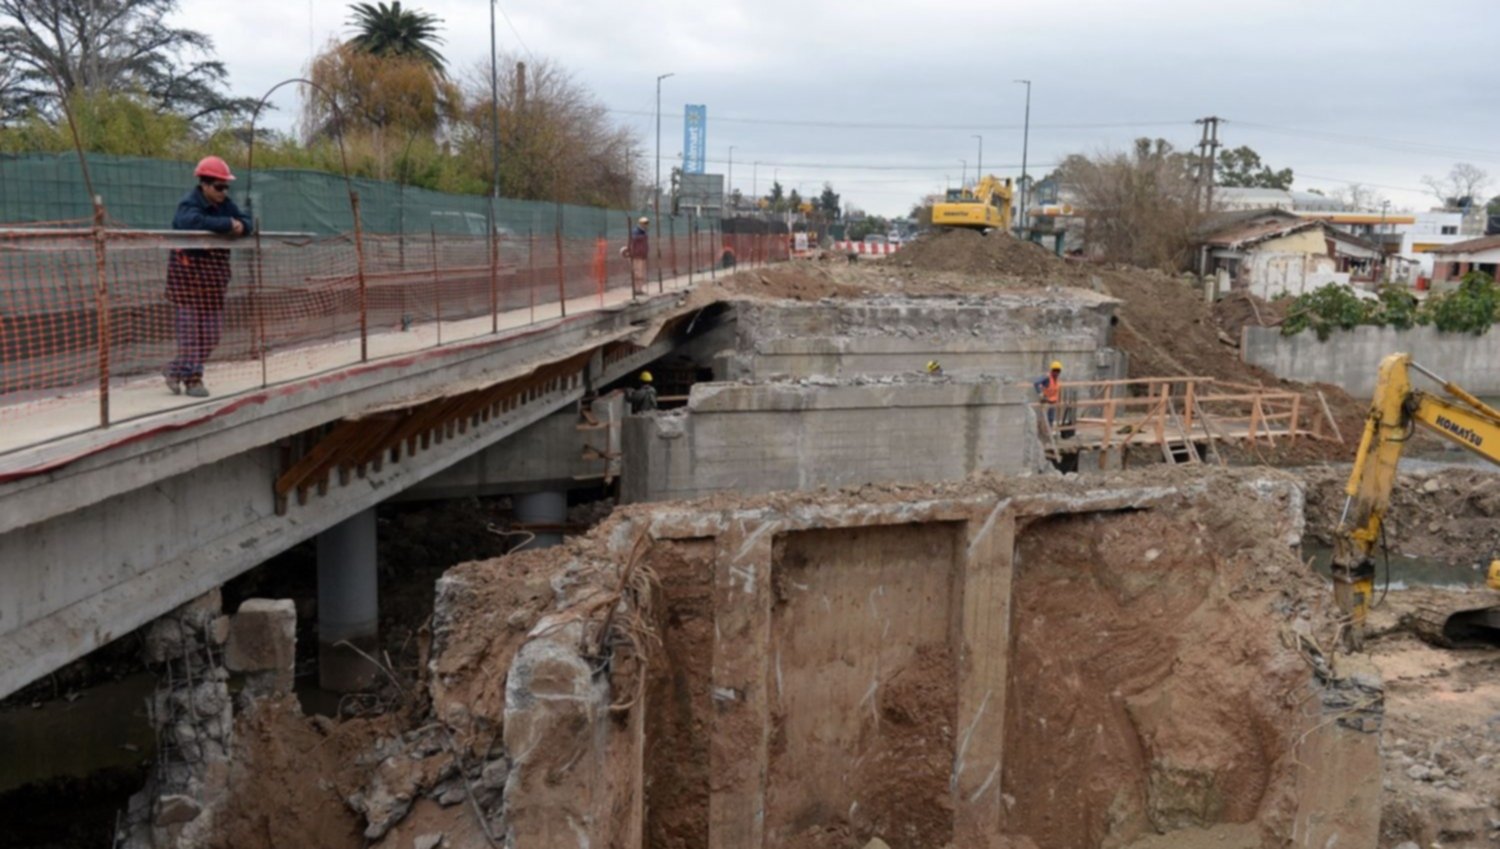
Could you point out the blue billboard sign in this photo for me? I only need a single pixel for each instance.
(694, 138)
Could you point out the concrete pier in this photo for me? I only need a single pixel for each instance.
(348, 604)
(547, 511)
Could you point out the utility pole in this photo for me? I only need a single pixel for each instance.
(1201, 176)
(964, 181)
(729, 185)
(1025, 145)
(656, 200)
(494, 118)
(979, 163)
(755, 185)
(1211, 136)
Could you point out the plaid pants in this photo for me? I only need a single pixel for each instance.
(198, 331)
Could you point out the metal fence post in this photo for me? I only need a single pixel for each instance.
(437, 286)
(562, 289)
(494, 275)
(359, 267)
(531, 271)
(101, 307)
(256, 293)
(692, 236)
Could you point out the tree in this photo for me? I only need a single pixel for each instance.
(1358, 197)
(59, 48)
(776, 198)
(1141, 203)
(557, 141)
(828, 202)
(376, 94)
(1461, 188)
(1241, 167)
(394, 31)
(793, 201)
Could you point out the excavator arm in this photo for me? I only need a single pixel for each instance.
(1395, 412)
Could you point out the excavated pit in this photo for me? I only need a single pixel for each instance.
(1025, 662)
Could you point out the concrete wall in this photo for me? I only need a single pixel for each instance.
(1012, 334)
(800, 435)
(1350, 358)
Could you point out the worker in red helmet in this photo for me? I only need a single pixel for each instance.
(198, 278)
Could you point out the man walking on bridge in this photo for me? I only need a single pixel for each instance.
(638, 250)
(197, 278)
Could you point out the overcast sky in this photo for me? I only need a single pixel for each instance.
(882, 98)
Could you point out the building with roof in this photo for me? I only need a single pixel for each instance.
(1451, 262)
(1270, 252)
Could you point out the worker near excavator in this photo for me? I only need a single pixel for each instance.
(1049, 387)
(637, 250)
(643, 398)
(934, 368)
(198, 278)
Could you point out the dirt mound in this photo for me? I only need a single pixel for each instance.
(1238, 310)
(972, 252)
(1448, 514)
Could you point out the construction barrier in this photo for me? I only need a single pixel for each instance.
(94, 320)
(876, 249)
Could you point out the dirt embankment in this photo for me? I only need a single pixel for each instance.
(1440, 743)
(1448, 514)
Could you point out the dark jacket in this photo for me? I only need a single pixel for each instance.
(639, 246)
(198, 277)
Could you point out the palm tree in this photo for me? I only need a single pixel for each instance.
(389, 30)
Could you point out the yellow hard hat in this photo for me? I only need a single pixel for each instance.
(645, 377)
(1494, 576)
(934, 365)
(1056, 366)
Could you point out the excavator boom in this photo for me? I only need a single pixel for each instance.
(1396, 410)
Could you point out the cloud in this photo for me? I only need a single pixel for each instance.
(1103, 71)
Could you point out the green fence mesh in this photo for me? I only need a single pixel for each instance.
(143, 193)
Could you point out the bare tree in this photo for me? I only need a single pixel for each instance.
(1461, 188)
(557, 142)
(1358, 197)
(64, 47)
(1140, 203)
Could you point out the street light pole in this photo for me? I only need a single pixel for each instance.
(979, 164)
(963, 182)
(755, 184)
(729, 185)
(1025, 144)
(656, 199)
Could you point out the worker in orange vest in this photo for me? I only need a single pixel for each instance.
(1049, 386)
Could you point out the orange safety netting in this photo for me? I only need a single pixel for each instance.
(98, 329)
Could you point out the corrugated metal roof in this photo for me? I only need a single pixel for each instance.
(1258, 230)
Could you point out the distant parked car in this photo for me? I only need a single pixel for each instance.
(874, 239)
(894, 238)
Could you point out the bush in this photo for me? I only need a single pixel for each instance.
(1471, 308)
(1325, 308)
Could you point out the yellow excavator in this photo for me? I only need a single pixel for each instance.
(1395, 413)
(985, 207)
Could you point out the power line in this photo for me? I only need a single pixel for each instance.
(514, 31)
(859, 125)
(1376, 143)
(845, 166)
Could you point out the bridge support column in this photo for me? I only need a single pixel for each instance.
(348, 608)
(544, 514)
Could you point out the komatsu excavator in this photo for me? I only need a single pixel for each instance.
(1395, 413)
(985, 207)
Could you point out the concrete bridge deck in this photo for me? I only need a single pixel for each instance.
(102, 531)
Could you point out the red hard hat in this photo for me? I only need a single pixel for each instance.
(213, 166)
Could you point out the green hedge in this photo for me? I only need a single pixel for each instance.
(1471, 308)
